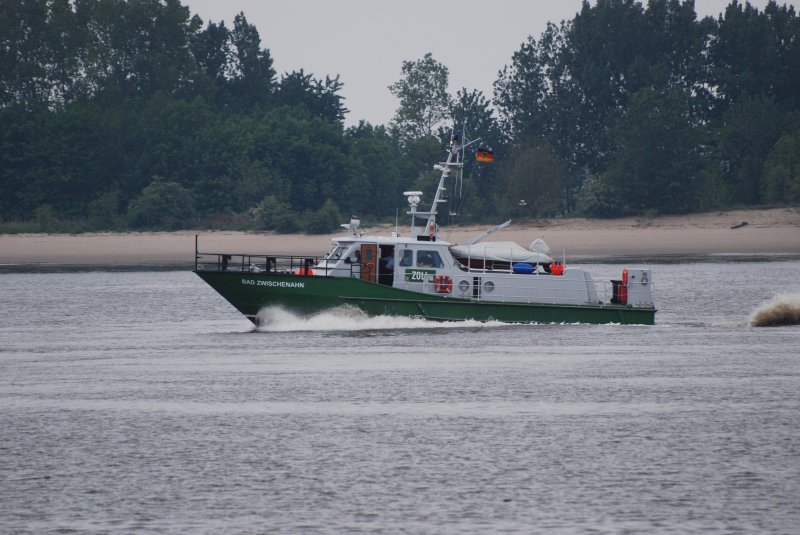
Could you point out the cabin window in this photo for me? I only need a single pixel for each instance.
(337, 253)
(429, 259)
(407, 259)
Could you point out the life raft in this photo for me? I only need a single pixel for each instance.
(443, 284)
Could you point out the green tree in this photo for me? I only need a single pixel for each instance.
(104, 211)
(62, 158)
(572, 84)
(324, 220)
(596, 198)
(786, 24)
(272, 214)
(137, 49)
(38, 60)
(658, 163)
(521, 88)
(424, 100)
(376, 170)
(782, 171)
(416, 164)
(536, 182)
(253, 76)
(471, 110)
(212, 50)
(20, 134)
(162, 204)
(46, 218)
(743, 55)
(308, 154)
(750, 129)
(318, 97)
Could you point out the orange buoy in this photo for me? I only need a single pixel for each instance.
(557, 268)
(443, 284)
(306, 272)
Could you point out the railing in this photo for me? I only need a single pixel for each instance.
(278, 264)
(303, 266)
(287, 265)
(496, 266)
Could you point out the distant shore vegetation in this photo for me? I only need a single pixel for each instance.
(137, 115)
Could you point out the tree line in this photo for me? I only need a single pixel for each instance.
(653, 110)
(135, 114)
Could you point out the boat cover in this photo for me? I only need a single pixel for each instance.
(502, 251)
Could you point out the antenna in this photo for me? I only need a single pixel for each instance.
(492, 230)
(454, 160)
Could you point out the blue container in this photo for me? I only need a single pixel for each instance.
(523, 267)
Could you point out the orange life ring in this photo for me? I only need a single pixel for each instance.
(443, 284)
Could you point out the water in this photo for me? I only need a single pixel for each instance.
(143, 402)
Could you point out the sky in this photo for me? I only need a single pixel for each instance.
(366, 41)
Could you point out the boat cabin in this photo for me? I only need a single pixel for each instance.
(430, 267)
(391, 261)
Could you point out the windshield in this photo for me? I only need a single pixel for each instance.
(337, 252)
(429, 259)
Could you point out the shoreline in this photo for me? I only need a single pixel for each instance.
(743, 235)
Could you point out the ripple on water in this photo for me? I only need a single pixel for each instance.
(143, 402)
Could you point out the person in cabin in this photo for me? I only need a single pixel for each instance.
(387, 269)
(424, 259)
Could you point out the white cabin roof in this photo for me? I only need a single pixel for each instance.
(389, 240)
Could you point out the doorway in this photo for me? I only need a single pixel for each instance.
(369, 256)
(386, 265)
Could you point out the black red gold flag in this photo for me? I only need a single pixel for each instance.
(484, 155)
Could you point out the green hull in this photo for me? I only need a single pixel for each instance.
(250, 292)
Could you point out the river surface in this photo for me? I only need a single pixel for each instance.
(142, 402)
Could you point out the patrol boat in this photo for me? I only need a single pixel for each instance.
(421, 275)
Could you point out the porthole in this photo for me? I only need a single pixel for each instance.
(488, 286)
(463, 286)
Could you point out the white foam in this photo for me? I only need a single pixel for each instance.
(782, 310)
(348, 318)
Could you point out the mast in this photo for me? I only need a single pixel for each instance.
(431, 229)
(454, 161)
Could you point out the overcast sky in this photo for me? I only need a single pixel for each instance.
(366, 41)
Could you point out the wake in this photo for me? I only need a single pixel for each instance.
(783, 310)
(348, 318)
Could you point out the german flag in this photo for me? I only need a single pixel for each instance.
(484, 155)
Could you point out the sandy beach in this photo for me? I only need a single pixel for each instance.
(765, 234)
